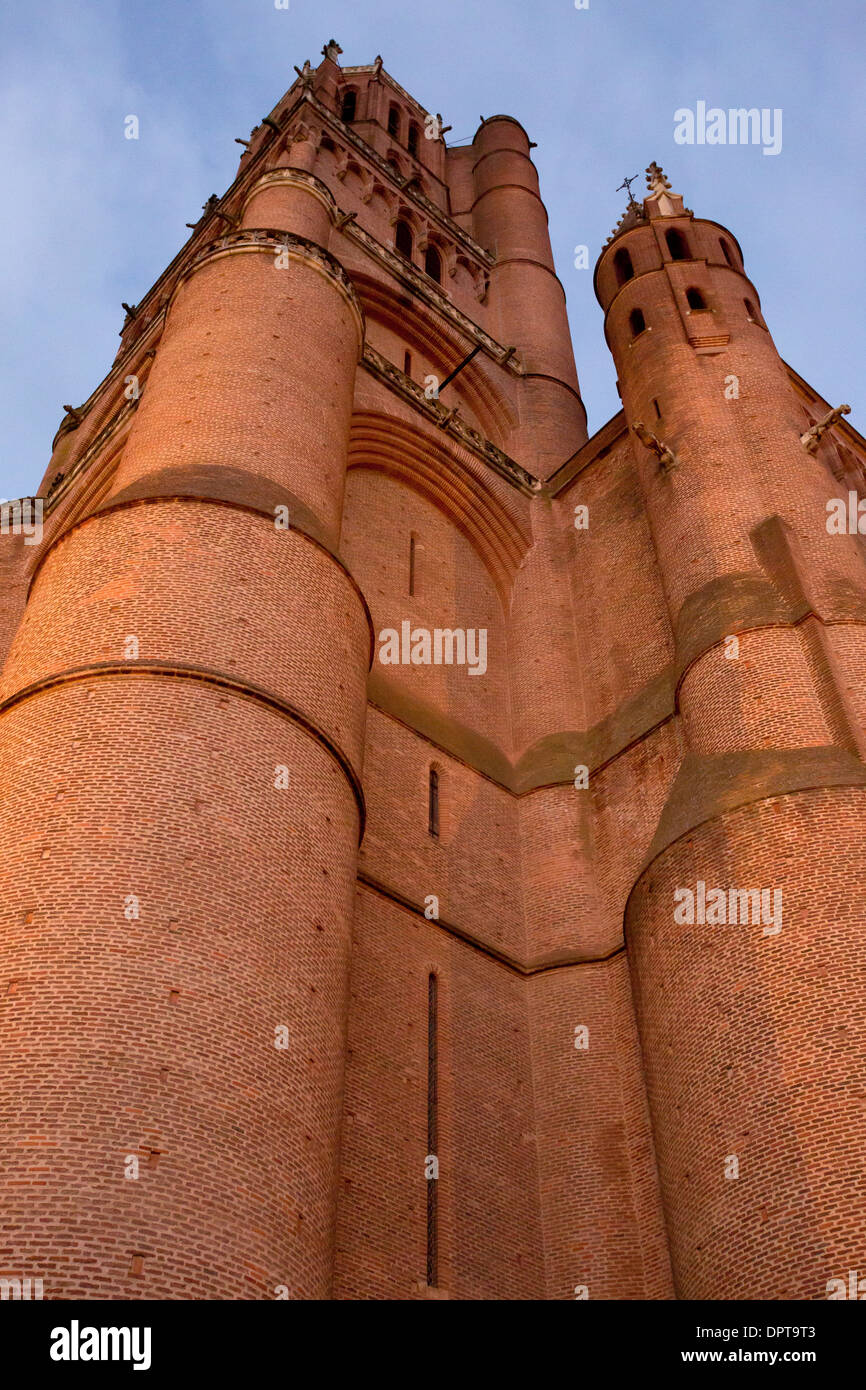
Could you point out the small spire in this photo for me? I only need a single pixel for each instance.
(656, 181)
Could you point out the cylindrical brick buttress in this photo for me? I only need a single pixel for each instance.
(526, 298)
(180, 747)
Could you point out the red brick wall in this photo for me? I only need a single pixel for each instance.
(488, 1193)
(117, 1035)
(754, 1047)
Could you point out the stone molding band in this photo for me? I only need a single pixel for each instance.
(219, 487)
(542, 965)
(179, 670)
(299, 178)
(710, 786)
(270, 239)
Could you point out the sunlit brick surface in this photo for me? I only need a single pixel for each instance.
(371, 970)
(755, 1047)
(120, 1036)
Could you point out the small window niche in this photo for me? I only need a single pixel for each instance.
(677, 245)
(433, 264)
(622, 267)
(403, 239)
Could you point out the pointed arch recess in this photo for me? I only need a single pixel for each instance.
(381, 443)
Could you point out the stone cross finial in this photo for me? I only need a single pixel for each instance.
(626, 184)
(331, 50)
(655, 179)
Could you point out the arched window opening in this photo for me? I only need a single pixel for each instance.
(433, 804)
(403, 239)
(637, 322)
(623, 268)
(433, 264)
(696, 299)
(412, 141)
(726, 251)
(394, 122)
(677, 245)
(347, 110)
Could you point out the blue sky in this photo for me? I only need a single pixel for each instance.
(92, 218)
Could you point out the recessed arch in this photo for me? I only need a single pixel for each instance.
(382, 443)
(433, 263)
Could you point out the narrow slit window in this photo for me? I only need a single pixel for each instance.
(432, 1131)
(347, 110)
(394, 122)
(407, 363)
(433, 804)
(637, 322)
(657, 410)
(750, 309)
(696, 299)
(412, 141)
(412, 556)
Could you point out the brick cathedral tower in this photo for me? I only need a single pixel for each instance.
(364, 729)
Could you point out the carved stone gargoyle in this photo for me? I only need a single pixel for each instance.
(665, 455)
(812, 438)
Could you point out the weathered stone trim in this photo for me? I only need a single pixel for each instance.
(485, 449)
(427, 290)
(219, 487)
(299, 248)
(179, 670)
(540, 965)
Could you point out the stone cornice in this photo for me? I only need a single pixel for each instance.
(271, 239)
(288, 173)
(449, 421)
